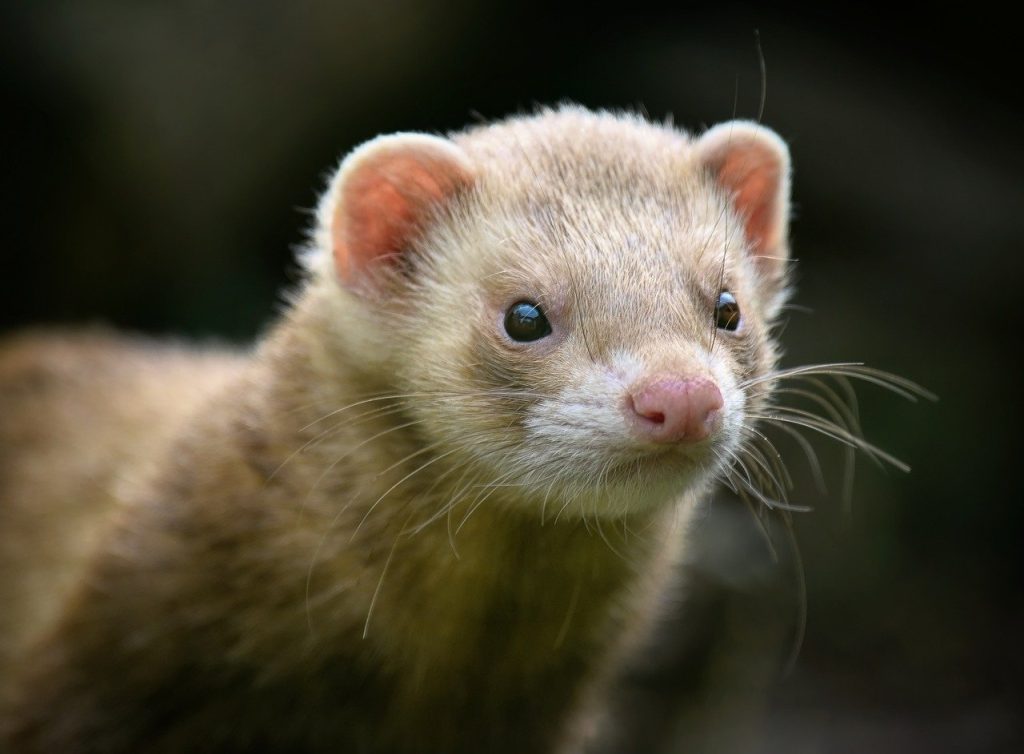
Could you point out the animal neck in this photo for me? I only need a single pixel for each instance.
(371, 547)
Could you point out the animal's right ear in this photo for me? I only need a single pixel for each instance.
(383, 196)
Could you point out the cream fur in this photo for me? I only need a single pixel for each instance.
(390, 527)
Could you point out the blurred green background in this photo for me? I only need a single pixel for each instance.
(160, 159)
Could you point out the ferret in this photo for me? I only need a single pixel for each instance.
(429, 508)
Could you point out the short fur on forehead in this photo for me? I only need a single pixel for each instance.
(749, 162)
(615, 185)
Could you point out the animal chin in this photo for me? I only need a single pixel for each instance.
(638, 483)
(664, 467)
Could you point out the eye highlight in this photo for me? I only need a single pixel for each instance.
(727, 312)
(525, 322)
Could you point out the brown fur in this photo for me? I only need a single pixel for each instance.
(209, 552)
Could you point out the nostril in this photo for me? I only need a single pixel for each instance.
(645, 408)
(652, 415)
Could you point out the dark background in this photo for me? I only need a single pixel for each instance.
(158, 160)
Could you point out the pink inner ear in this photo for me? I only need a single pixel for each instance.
(753, 176)
(385, 201)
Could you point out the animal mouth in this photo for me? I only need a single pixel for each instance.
(656, 465)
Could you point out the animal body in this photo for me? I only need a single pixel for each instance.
(427, 510)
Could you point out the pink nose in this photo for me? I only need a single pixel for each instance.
(674, 410)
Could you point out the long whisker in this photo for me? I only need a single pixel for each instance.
(331, 466)
(374, 399)
(843, 415)
(383, 573)
(839, 412)
(486, 490)
(748, 485)
(456, 498)
(401, 481)
(769, 453)
(811, 421)
(754, 454)
(333, 429)
(809, 452)
(758, 513)
(442, 510)
(801, 584)
(894, 383)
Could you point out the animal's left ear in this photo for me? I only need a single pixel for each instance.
(751, 164)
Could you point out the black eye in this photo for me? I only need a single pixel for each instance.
(526, 322)
(727, 312)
